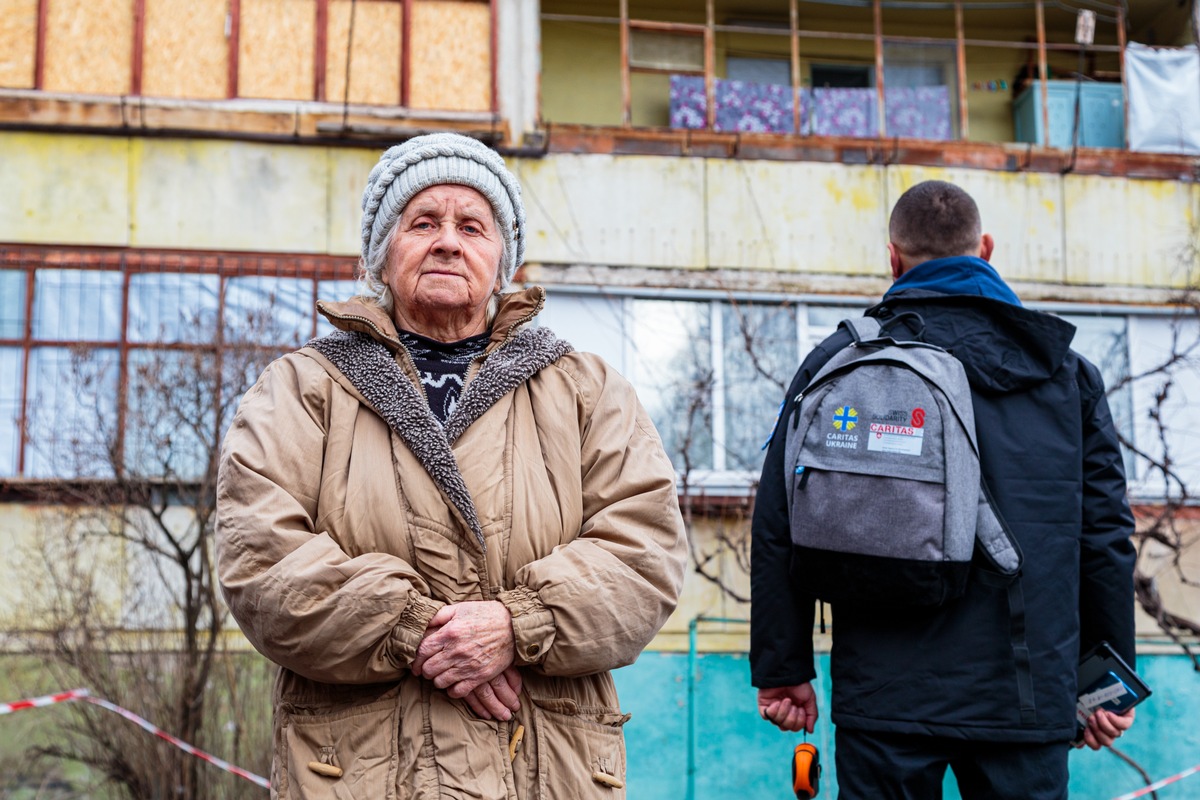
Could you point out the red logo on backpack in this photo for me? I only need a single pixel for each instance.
(918, 417)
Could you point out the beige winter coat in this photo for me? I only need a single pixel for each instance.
(347, 516)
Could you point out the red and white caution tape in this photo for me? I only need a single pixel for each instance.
(1160, 784)
(44, 700)
(85, 695)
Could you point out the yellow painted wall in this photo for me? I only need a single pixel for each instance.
(581, 66)
(209, 195)
(40, 561)
(804, 218)
(64, 189)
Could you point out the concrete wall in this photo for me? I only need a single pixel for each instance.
(789, 218)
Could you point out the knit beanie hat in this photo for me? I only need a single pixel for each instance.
(439, 158)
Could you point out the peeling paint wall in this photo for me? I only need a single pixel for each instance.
(780, 219)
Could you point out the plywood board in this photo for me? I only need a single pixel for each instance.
(89, 46)
(186, 52)
(18, 43)
(451, 55)
(275, 49)
(374, 54)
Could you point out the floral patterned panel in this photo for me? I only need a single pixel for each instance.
(844, 112)
(689, 104)
(918, 113)
(741, 106)
(921, 112)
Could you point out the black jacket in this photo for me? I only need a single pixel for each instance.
(1051, 460)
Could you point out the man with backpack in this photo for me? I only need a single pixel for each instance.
(979, 675)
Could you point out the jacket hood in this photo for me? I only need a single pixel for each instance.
(362, 316)
(957, 275)
(1004, 347)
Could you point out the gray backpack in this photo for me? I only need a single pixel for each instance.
(885, 498)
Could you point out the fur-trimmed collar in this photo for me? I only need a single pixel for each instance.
(368, 363)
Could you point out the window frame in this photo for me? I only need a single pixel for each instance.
(128, 263)
(717, 480)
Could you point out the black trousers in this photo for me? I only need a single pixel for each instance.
(892, 766)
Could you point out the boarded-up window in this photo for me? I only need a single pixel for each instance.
(275, 49)
(451, 56)
(18, 41)
(374, 55)
(89, 46)
(186, 52)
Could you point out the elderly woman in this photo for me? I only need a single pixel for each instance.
(444, 525)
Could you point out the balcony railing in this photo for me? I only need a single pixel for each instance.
(858, 68)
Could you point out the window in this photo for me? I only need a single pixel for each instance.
(334, 291)
(12, 309)
(137, 360)
(268, 310)
(1105, 342)
(173, 307)
(72, 412)
(77, 305)
(710, 373)
(10, 408)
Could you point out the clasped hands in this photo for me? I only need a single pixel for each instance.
(468, 651)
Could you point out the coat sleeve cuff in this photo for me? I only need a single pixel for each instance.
(410, 630)
(533, 625)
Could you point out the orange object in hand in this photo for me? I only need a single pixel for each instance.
(806, 771)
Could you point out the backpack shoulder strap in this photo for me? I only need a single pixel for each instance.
(861, 329)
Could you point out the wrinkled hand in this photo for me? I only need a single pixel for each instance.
(466, 645)
(1105, 727)
(499, 698)
(791, 708)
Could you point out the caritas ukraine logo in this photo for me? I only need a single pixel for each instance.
(918, 417)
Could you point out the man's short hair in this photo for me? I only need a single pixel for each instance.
(935, 219)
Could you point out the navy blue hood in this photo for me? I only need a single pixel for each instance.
(1004, 346)
(957, 275)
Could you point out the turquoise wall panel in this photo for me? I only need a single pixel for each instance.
(736, 754)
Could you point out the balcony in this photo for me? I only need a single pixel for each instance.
(1003, 85)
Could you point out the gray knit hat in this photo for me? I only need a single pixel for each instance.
(438, 158)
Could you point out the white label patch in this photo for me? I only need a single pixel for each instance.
(899, 439)
(1093, 700)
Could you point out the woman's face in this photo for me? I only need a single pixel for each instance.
(444, 263)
